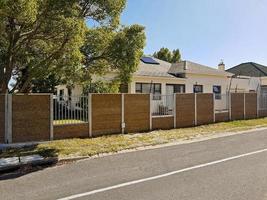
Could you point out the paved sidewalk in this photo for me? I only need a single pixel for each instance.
(8, 163)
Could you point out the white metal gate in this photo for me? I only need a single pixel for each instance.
(70, 109)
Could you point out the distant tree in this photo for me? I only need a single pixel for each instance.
(176, 56)
(166, 55)
(163, 54)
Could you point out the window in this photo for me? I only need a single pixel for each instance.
(138, 87)
(157, 91)
(179, 88)
(198, 88)
(147, 88)
(175, 88)
(217, 90)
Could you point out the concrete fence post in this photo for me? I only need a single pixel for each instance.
(244, 105)
(150, 111)
(214, 116)
(195, 109)
(258, 99)
(90, 115)
(51, 117)
(230, 105)
(8, 118)
(174, 110)
(122, 114)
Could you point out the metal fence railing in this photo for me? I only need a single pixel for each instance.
(70, 109)
(221, 102)
(162, 105)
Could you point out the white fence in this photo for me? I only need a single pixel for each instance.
(70, 109)
(162, 105)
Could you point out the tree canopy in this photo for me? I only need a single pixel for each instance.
(108, 50)
(167, 55)
(51, 38)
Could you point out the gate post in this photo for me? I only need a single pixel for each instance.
(90, 115)
(230, 106)
(258, 100)
(195, 109)
(174, 110)
(8, 118)
(122, 115)
(51, 117)
(214, 112)
(244, 105)
(150, 112)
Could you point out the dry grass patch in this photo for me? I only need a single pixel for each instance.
(115, 143)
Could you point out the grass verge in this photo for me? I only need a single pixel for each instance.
(115, 143)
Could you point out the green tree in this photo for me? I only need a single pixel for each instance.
(101, 87)
(166, 55)
(176, 56)
(163, 54)
(45, 84)
(42, 38)
(118, 51)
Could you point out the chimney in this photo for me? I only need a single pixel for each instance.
(221, 66)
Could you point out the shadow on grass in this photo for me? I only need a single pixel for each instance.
(50, 159)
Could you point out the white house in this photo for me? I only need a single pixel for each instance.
(163, 79)
(160, 77)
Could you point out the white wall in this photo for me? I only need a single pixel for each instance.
(208, 81)
(76, 91)
(161, 80)
(244, 84)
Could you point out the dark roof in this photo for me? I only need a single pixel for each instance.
(249, 69)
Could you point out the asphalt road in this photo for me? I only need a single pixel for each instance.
(233, 167)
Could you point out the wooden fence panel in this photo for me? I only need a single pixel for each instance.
(71, 131)
(185, 110)
(237, 106)
(205, 109)
(137, 112)
(30, 118)
(106, 114)
(251, 105)
(222, 117)
(162, 123)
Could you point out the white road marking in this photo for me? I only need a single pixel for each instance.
(160, 176)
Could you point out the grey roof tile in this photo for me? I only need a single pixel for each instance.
(249, 69)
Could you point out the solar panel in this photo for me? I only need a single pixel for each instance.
(149, 60)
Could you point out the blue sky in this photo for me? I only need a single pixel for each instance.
(205, 31)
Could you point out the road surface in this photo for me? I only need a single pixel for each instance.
(232, 167)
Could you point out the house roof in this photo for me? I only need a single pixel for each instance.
(249, 69)
(156, 70)
(189, 67)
